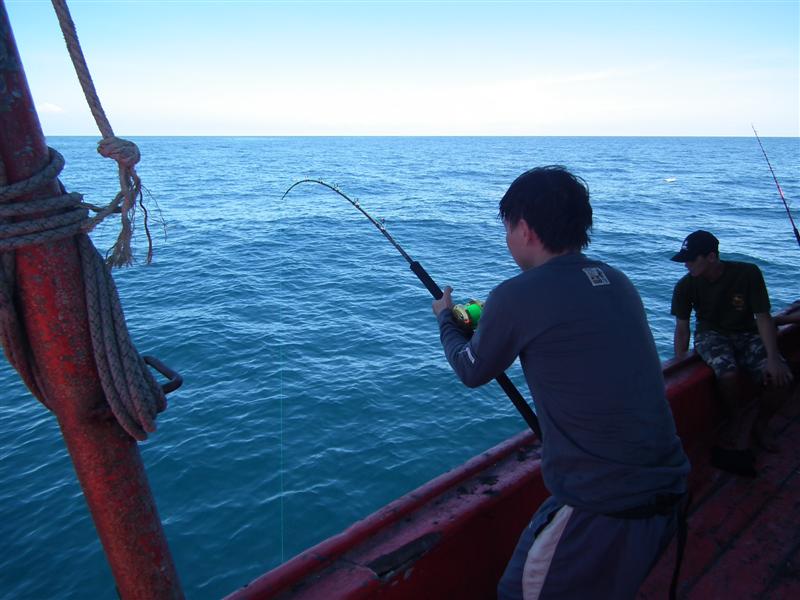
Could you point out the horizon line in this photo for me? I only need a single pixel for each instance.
(425, 135)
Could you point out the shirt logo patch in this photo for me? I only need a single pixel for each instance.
(737, 300)
(596, 276)
(469, 354)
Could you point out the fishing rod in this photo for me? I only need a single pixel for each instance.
(780, 191)
(508, 387)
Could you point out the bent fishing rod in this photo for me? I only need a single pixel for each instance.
(508, 387)
(780, 191)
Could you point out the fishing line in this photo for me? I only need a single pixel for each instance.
(508, 387)
(780, 191)
(281, 361)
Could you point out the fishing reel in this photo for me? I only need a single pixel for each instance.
(468, 314)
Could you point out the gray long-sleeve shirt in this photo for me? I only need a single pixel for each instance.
(581, 334)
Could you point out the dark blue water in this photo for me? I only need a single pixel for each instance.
(315, 387)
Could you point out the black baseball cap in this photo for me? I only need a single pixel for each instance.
(698, 243)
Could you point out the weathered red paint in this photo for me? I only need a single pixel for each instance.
(452, 537)
(51, 300)
(428, 536)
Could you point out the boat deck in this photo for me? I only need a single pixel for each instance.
(744, 534)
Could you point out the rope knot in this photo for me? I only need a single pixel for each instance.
(124, 152)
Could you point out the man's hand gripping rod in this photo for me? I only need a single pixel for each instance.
(508, 387)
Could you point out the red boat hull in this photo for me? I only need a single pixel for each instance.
(452, 537)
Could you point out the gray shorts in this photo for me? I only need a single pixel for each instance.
(567, 553)
(728, 353)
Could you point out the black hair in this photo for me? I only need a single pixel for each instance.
(554, 203)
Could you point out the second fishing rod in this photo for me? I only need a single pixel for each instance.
(778, 185)
(468, 314)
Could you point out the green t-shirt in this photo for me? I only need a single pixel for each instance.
(726, 305)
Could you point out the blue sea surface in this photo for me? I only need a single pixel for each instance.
(315, 387)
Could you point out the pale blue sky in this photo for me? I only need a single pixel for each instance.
(419, 68)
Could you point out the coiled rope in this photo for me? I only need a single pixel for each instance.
(134, 396)
(131, 390)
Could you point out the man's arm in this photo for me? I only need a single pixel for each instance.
(681, 309)
(484, 356)
(776, 370)
(680, 341)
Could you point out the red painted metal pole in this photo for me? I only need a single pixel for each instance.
(52, 306)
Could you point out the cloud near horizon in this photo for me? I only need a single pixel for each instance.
(49, 107)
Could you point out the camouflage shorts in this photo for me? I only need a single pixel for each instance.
(728, 353)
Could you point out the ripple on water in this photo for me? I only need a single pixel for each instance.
(315, 390)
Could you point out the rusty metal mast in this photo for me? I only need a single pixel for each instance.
(50, 300)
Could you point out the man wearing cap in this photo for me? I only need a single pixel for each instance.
(734, 331)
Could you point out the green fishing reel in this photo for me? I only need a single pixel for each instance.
(468, 314)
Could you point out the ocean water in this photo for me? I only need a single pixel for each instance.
(315, 387)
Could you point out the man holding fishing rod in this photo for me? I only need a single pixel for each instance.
(733, 331)
(611, 457)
